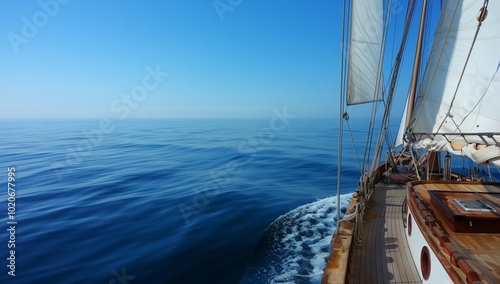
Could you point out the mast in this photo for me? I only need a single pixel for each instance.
(433, 164)
(416, 65)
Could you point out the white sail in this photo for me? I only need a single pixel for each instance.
(402, 126)
(365, 52)
(468, 105)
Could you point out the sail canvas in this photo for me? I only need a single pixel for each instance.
(459, 93)
(365, 52)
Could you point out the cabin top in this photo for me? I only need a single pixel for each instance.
(463, 221)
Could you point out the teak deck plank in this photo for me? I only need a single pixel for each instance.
(383, 257)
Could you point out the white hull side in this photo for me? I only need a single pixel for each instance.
(416, 242)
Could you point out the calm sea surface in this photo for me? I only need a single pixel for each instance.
(171, 201)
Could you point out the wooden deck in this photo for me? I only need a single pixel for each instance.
(384, 256)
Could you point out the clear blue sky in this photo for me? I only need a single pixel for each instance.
(82, 59)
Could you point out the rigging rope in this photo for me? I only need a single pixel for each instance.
(385, 119)
(346, 118)
(366, 186)
(481, 16)
(341, 107)
(489, 173)
(357, 215)
(480, 99)
(377, 90)
(415, 163)
(438, 60)
(369, 138)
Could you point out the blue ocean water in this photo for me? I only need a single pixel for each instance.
(172, 201)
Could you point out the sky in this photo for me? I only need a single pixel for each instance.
(169, 59)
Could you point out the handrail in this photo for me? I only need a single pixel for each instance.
(483, 135)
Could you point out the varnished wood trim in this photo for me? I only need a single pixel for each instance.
(415, 201)
(419, 182)
(449, 249)
(338, 262)
(440, 235)
(430, 221)
(472, 276)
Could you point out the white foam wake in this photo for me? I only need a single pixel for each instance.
(296, 246)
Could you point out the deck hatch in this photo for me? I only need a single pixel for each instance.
(474, 205)
(467, 212)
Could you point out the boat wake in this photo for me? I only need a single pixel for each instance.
(295, 247)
